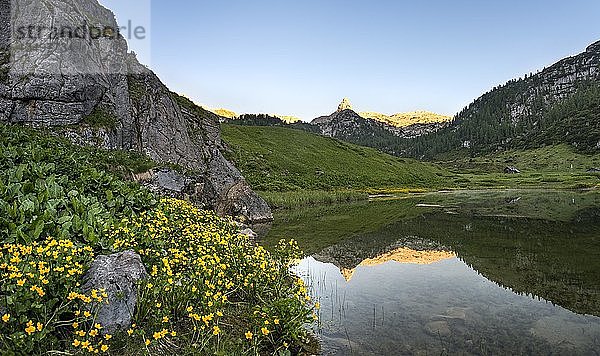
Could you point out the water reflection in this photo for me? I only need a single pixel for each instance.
(484, 273)
(444, 307)
(399, 255)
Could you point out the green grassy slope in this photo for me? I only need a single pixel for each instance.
(282, 159)
(559, 166)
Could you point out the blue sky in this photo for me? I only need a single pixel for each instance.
(302, 57)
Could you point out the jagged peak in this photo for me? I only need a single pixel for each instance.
(344, 105)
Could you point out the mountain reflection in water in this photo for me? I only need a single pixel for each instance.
(401, 255)
(478, 273)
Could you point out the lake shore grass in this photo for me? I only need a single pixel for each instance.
(294, 199)
(457, 182)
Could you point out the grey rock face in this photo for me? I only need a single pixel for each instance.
(556, 82)
(118, 275)
(238, 202)
(52, 83)
(171, 180)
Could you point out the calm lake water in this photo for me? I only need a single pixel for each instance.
(468, 273)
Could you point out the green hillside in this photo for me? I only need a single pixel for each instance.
(283, 159)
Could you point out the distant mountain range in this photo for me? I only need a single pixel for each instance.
(345, 124)
(560, 104)
(231, 115)
(408, 118)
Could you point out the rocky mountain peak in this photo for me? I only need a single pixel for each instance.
(344, 105)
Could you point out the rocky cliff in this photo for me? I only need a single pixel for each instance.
(559, 104)
(74, 69)
(552, 85)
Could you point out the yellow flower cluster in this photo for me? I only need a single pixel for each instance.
(41, 284)
(201, 271)
(91, 341)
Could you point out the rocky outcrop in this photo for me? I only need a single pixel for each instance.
(370, 130)
(347, 124)
(511, 170)
(555, 83)
(118, 276)
(96, 84)
(554, 105)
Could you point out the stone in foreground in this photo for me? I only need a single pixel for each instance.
(118, 274)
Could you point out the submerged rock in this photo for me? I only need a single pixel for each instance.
(438, 328)
(118, 274)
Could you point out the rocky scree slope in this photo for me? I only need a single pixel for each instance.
(95, 92)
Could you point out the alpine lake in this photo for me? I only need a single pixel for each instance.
(506, 272)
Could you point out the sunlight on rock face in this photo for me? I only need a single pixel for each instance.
(401, 255)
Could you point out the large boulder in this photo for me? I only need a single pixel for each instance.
(118, 275)
(94, 91)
